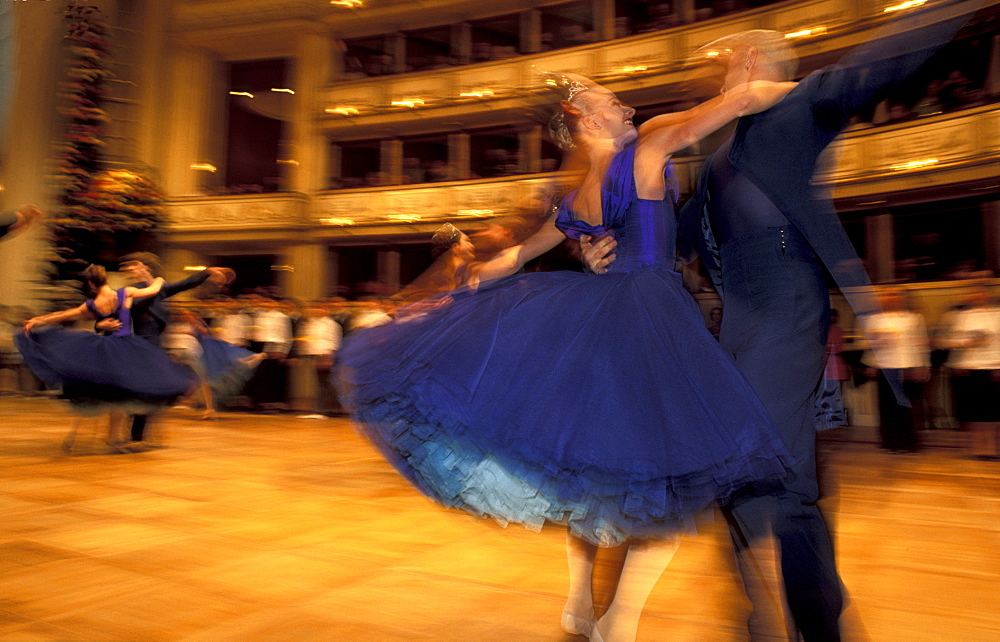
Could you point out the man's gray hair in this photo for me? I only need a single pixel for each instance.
(774, 49)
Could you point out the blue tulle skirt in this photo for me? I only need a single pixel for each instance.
(98, 373)
(224, 366)
(600, 402)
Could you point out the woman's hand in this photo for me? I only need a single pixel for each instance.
(597, 256)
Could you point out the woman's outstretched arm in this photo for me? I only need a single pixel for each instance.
(512, 259)
(670, 133)
(72, 314)
(149, 290)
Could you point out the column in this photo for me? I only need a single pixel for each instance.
(461, 42)
(881, 247)
(31, 57)
(531, 31)
(458, 156)
(388, 270)
(395, 46)
(530, 146)
(191, 91)
(604, 19)
(334, 156)
(991, 235)
(685, 10)
(391, 161)
(306, 152)
(308, 280)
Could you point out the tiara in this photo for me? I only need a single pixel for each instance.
(446, 235)
(571, 88)
(574, 87)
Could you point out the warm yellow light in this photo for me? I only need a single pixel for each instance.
(195, 268)
(404, 217)
(475, 212)
(631, 69)
(204, 167)
(815, 31)
(283, 268)
(282, 90)
(289, 162)
(900, 167)
(482, 93)
(241, 93)
(343, 111)
(337, 221)
(350, 4)
(409, 102)
(909, 4)
(872, 203)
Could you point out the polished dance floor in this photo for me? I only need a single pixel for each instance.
(283, 528)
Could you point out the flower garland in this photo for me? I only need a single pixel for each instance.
(98, 209)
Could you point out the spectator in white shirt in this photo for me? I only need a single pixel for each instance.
(973, 339)
(234, 326)
(319, 338)
(899, 337)
(272, 335)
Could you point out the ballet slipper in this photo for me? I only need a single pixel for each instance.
(595, 634)
(576, 625)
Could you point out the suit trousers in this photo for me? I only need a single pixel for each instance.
(775, 324)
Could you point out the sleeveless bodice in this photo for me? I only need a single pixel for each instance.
(120, 312)
(644, 229)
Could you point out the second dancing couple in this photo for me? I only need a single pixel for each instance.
(598, 402)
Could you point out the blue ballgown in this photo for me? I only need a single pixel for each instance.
(224, 367)
(597, 401)
(99, 373)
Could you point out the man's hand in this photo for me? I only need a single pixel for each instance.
(597, 256)
(108, 325)
(220, 276)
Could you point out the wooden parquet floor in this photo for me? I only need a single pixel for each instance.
(283, 528)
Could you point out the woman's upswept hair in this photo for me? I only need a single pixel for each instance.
(94, 277)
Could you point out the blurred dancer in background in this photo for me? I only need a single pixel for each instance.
(100, 373)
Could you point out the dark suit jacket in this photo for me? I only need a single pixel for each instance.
(150, 315)
(778, 149)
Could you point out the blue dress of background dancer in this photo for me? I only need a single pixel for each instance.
(98, 373)
(596, 401)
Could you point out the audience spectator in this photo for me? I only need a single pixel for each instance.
(973, 341)
(898, 336)
(319, 339)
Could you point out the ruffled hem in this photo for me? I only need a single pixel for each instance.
(444, 460)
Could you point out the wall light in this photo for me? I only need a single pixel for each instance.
(802, 33)
(204, 167)
(282, 90)
(241, 93)
(409, 102)
(900, 167)
(337, 221)
(343, 111)
(909, 4)
(404, 217)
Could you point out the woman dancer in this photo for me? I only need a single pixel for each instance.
(504, 403)
(115, 372)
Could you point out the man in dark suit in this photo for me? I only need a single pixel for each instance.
(768, 240)
(150, 315)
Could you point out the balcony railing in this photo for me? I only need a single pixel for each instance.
(949, 147)
(657, 58)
